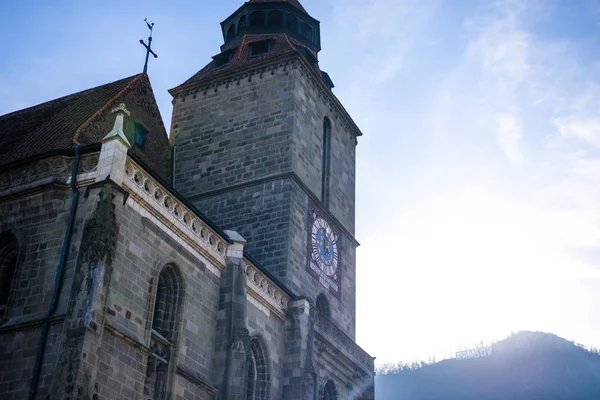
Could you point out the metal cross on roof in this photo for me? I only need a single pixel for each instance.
(148, 46)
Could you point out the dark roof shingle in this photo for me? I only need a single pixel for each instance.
(81, 118)
(281, 45)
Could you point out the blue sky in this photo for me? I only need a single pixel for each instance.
(478, 200)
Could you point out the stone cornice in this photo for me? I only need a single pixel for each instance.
(161, 206)
(270, 66)
(287, 175)
(191, 377)
(265, 291)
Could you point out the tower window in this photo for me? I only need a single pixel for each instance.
(9, 250)
(292, 23)
(275, 18)
(242, 23)
(323, 306)
(326, 162)
(141, 134)
(258, 380)
(307, 31)
(231, 32)
(257, 18)
(223, 58)
(262, 47)
(330, 392)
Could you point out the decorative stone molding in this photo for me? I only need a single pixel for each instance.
(55, 167)
(266, 291)
(163, 206)
(329, 330)
(292, 62)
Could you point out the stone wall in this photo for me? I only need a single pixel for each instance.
(249, 153)
(38, 220)
(233, 133)
(311, 107)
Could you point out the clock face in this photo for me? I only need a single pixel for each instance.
(324, 245)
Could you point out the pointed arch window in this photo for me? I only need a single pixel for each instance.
(241, 24)
(167, 306)
(326, 162)
(323, 306)
(292, 23)
(258, 380)
(257, 18)
(330, 392)
(275, 18)
(9, 252)
(307, 31)
(231, 32)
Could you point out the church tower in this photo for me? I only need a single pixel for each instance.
(263, 147)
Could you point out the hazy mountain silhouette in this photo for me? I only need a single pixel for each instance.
(526, 366)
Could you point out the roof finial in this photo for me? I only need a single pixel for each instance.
(149, 45)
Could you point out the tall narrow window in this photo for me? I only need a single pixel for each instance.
(241, 24)
(326, 162)
(307, 31)
(259, 381)
(231, 32)
(323, 306)
(257, 18)
(166, 309)
(330, 392)
(141, 134)
(275, 18)
(292, 23)
(9, 251)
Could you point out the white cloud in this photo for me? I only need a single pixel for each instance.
(509, 133)
(587, 130)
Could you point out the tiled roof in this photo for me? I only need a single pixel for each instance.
(83, 118)
(281, 45)
(294, 3)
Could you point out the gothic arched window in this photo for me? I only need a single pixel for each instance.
(292, 23)
(257, 18)
(167, 306)
(241, 23)
(326, 162)
(275, 18)
(323, 306)
(307, 31)
(9, 252)
(231, 32)
(258, 381)
(330, 392)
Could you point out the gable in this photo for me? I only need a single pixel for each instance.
(85, 118)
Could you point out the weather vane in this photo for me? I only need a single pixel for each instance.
(149, 45)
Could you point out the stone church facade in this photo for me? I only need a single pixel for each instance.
(216, 263)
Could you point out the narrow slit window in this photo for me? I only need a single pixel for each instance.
(292, 23)
(141, 135)
(231, 32)
(307, 31)
(241, 24)
(8, 263)
(326, 162)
